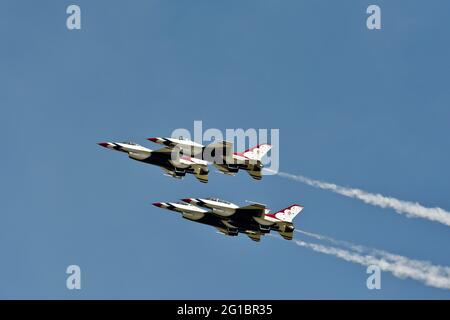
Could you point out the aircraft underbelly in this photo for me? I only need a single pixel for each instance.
(160, 161)
(241, 225)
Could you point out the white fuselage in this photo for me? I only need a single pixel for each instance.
(218, 207)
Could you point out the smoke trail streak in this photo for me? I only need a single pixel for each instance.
(411, 209)
(346, 244)
(400, 266)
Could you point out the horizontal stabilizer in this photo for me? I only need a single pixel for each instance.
(255, 172)
(201, 173)
(254, 236)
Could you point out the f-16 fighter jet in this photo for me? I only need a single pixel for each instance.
(254, 220)
(221, 155)
(169, 159)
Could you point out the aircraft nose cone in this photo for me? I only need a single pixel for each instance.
(103, 144)
(188, 200)
(153, 139)
(157, 204)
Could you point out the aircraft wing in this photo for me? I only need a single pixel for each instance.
(249, 212)
(187, 147)
(182, 164)
(218, 151)
(165, 150)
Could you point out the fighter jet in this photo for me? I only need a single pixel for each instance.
(254, 220)
(221, 155)
(169, 159)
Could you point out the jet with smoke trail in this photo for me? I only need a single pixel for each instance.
(400, 266)
(410, 209)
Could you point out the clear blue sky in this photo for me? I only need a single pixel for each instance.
(367, 109)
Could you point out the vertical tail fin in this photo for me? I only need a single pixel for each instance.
(257, 152)
(288, 214)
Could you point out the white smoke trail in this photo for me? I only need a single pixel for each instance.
(400, 266)
(411, 209)
(346, 244)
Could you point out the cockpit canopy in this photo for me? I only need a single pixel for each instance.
(130, 143)
(218, 200)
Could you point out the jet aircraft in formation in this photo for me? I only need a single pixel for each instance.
(179, 157)
(254, 220)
